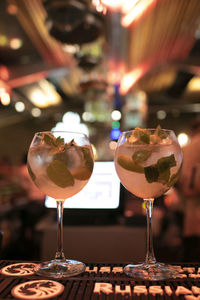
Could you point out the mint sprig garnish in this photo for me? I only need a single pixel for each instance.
(160, 133)
(174, 177)
(87, 158)
(160, 172)
(142, 135)
(151, 173)
(58, 172)
(52, 140)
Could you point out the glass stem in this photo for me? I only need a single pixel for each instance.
(150, 257)
(60, 253)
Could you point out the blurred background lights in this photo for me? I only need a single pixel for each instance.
(183, 139)
(19, 106)
(3, 40)
(115, 124)
(12, 9)
(71, 122)
(36, 112)
(15, 43)
(116, 115)
(4, 97)
(161, 114)
(71, 118)
(115, 134)
(113, 145)
(88, 116)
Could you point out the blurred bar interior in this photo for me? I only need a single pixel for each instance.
(101, 67)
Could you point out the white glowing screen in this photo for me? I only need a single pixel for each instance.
(101, 192)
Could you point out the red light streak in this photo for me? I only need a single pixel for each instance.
(132, 77)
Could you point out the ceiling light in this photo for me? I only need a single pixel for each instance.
(36, 112)
(132, 77)
(44, 94)
(19, 106)
(136, 12)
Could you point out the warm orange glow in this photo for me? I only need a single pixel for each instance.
(4, 73)
(131, 78)
(116, 71)
(136, 12)
(4, 97)
(27, 79)
(12, 9)
(99, 7)
(128, 5)
(113, 4)
(15, 43)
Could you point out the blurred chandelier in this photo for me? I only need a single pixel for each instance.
(132, 10)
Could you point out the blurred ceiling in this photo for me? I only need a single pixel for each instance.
(67, 47)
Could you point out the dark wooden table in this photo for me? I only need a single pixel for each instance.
(107, 281)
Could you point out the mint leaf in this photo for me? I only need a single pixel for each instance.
(59, 141)
(49, 139)
(141, 155)
(151, 173)
(160, 172)
(59, 174)
(165, 163)
(174, 177)
(128, 164)
(52, 141)
(160, 133)
(164, 176)
(142, 135)
(88, 158)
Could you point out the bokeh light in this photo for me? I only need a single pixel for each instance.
(116, 115)
(19, 106)
(36, 112)
(183, 139)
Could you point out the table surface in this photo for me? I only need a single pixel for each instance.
(107, 281)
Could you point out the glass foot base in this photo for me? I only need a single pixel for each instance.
(61, 269)
(157, 271)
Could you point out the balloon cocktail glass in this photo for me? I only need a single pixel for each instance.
(148, 163)
(60, 164)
